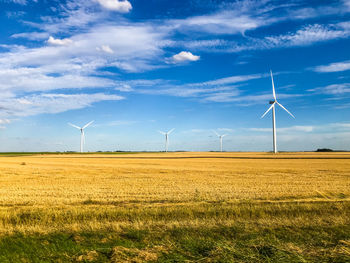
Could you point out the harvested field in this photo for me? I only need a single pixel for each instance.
(175, 207)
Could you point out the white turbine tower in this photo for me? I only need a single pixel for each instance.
(273, 104)
(220, 137)
(82, 134)
(167, 138)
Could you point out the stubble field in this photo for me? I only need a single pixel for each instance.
(175, 207)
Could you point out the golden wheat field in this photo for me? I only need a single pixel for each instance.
(43, 195)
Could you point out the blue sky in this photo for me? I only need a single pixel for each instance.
(136, 67)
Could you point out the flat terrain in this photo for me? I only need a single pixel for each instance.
(175, 207)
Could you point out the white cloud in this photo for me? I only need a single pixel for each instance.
(218, 90)
(34, 79)
(59, 42)
(187, 91)
(222, 96)
(225, 129)
(15, 14)
(5, 121)
(184, 56)
(227, 22)
(230, 80)
(105, 48)
(101, 39)
(245, 100)
(337, 127)
(20, 2)
(286, 129)
(234, 17)
(308, 35)
(74, 15)
(346, 3)
(333, 67)
(305, 36)
(124, 87)
(334, 89)
(77, 66)
(120, 123)
(53, 102)
(123, 6)
(32, 35)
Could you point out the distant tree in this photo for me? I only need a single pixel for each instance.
(324, 150)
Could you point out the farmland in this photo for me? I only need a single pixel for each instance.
(175, 207)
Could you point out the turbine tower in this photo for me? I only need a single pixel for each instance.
(167, 138)
(273, 104)
(220, 137)
(82, 134)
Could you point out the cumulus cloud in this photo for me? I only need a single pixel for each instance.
(333, 67)
(59, 42)
(123, 6)
(184, 56)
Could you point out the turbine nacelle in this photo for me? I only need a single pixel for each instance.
(273, 102)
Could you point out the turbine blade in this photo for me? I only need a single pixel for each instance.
(268, 110)
(87, 124)
(216, 133)
(171, 130)
(162, 132)
(224, 135)
(273, 86)
(75, 126)
(285, 110)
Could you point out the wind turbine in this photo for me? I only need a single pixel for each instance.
(273, 104)
(166, 138)
(220, 137)
(82, 134)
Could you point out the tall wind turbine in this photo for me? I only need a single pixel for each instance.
(82, 134)
(167, 138)
(273, 104)
(220, 137)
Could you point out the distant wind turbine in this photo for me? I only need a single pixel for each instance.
(167, 138)
(273, 104)
(220, 137)
(82, 134)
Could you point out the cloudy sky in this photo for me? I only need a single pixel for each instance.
(139, 66)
